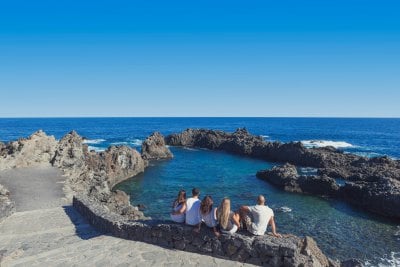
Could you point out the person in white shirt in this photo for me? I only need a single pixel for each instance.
(193, 208)
(179, 207)
(208, 214)
(257, 218)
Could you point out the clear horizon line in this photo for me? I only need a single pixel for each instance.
(99, 117)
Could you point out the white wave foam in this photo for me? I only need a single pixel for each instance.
(190, 149)
(284, 209)
(97, 149)
(119, 143)
(324, 143)
(265, 136)
(308, 170)
(391, 260)
(93, 141)
(136, 142)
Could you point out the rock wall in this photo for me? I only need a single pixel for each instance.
(261, 250)
(7, 206)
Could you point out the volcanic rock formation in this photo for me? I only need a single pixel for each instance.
(373, 183)
(154, 148)
(36, 150)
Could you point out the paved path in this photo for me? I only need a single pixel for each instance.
(61, 237)
(44, 233)
(34, 187)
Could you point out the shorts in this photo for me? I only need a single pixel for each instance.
(249, 224)
(232, 231)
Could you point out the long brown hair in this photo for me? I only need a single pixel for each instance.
(180, 198)
(223, 213)
(206, 205)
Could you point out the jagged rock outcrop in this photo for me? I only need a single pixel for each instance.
(70, 154)
(7, 206)
(36, 150)
(375, 180)
(94, 174)
(381, 196)
(153, 148)
(287, 178)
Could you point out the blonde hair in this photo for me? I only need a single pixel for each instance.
(223, 212)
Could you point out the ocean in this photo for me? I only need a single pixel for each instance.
(341, 230)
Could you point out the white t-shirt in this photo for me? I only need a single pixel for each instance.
(209, 219)
(261, 215)
(193, 211)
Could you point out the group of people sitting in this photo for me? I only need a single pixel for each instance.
(194, 212)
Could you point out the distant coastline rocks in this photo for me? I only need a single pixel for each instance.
(370, 183)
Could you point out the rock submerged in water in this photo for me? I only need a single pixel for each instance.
(153, 148)
(287, 178)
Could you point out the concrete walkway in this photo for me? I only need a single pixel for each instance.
(44, 233)
(35, 187)
(61, 237)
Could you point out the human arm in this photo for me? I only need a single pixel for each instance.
(244, 209)
(273, 227)
(236, 219)
(181, 210)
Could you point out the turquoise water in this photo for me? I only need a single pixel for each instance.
(341, 231)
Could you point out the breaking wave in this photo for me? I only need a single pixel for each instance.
(391, 260)
(93, 141)
(97, 149)
(324, 143)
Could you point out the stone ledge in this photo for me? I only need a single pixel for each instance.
(261, 250)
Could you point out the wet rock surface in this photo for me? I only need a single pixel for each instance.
(287, 178)
(373, 183)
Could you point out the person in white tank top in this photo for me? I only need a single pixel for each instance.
(193, 209)
(179, 208)
(208, 215)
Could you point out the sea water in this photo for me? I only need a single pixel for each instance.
(341, 230)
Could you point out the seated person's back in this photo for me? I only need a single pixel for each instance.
(193, 208)
(261, 215)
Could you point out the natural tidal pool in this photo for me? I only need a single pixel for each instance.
(341, 230)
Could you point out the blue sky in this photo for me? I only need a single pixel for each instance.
(204, 58)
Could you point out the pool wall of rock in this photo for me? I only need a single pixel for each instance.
(260, 250)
